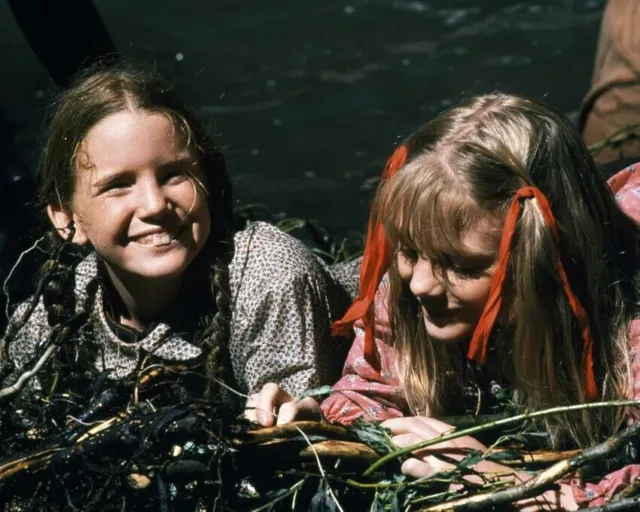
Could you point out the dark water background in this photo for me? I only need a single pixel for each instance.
(309, 97)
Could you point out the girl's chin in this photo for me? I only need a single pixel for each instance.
(451, 333)
(157, 265)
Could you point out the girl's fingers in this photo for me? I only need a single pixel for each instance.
(437, 425)
(410, 425)
(415, 468)
(405, 440)
(270, 399)
(429, 428)
(421, 467)
(423, 463)
(305, 409)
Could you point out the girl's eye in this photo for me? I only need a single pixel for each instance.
(114, 186)
(408, 253)
(175, 176)
(467, 272)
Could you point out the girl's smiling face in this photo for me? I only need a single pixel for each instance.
(452, 293)
(138, 196)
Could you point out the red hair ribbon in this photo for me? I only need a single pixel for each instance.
(480, 340)
(375, 263)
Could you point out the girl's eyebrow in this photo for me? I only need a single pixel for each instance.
(117, 175)
(110, 178)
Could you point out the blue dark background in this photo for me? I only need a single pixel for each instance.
(308, 98)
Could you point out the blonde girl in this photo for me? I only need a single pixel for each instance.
(509, 263)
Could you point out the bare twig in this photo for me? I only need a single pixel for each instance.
(293, 490)
(617, 137)
(5, 285)
(292, 430)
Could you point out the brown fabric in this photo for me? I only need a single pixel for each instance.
(614, 99)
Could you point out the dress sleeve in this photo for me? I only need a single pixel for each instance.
(596, 494)
(22, 348)
(364, 392)
(283, 302)
(284, 335)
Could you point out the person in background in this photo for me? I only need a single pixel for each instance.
(613, 102)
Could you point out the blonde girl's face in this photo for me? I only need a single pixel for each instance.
(452, 293)
(135, 198)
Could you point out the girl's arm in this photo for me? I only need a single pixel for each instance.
(283, 300)
(424, 463)
(364, 391)
(286, 336)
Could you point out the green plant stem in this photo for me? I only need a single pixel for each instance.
(488, 426)
(293, 490)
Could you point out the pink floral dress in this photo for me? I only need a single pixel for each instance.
(376, 395)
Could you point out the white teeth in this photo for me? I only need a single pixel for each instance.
(155, 240)
(159, 240)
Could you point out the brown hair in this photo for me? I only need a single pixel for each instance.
(467, 165)
(104, 90)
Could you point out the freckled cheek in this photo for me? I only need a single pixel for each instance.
(404, 269)
(98, 229)
(473, 294)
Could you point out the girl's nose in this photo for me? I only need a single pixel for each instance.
(153, 200)
(425, 282)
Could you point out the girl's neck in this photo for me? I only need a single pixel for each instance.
(138, 301)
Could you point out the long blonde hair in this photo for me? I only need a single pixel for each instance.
(466, 165)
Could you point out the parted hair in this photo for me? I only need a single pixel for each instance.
(466, 165)
(106, 89)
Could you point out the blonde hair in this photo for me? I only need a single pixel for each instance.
(465, 166)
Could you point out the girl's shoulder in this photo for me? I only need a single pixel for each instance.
(269, 255)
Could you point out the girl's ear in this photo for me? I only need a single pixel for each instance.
(61, 218)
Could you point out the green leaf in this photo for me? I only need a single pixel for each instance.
(470, 460)
(321, 391)
(373, 435)
(504, 455)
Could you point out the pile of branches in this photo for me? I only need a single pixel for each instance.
(142, 448)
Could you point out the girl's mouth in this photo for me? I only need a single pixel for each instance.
(155, 240)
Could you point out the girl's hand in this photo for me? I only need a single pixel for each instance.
(412, 430)
(273, 405)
